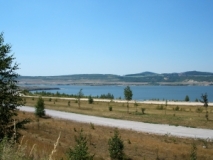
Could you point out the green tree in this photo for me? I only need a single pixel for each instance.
(10, 93)
(90, 99)
(128, 96)
(204, 100)
(187, 98)
(79, 96)
(39, 108)
(116, 147)
(80, 151)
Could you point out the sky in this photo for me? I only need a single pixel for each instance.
(52, 37)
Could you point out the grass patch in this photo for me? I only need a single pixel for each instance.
(137, 145)
(172, 115)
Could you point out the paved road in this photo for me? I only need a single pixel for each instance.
(132, 125)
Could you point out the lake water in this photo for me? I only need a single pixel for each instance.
(140, 92)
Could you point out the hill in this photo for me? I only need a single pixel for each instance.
(144, 78)
(142, 74)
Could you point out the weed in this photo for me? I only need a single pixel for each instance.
(92, 126)
(129, 142)
(143, 110)
(193, 154)
(159, 107)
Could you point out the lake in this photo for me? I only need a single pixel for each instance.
(139, 92)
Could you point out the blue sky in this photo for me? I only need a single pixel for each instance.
(50, 37)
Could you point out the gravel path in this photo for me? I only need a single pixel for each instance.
(131, 125)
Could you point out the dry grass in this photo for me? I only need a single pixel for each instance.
(137, 145)
(186, 116)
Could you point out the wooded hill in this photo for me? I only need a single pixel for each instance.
(144, 78)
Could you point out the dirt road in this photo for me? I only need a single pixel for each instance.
(131, 125)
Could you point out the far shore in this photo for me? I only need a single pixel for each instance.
(182, 103)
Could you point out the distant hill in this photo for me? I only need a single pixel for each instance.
(196, 73)
(144, 78)
(188, 73)
(142, 74)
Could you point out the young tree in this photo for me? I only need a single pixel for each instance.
(204, 100)
(10, 97)
(116, 147)
(80, 94)
(39, 108)
(128, 96)
(80, 151)
(90, 99)
(187, 98)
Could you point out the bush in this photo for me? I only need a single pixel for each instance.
(116, 147)
(110, 108)
(199, 110)
(176, 108)
(92, 126)
(143, 110)
(159, 107)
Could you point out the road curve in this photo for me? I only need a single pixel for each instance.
(130, 125)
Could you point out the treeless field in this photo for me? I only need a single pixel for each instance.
(40, 136)
(172, 115)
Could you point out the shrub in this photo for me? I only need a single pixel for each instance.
(176, 108)
(199, 110)
(143, 110)
(110, 108)
(92, 126)
(159, 107)
(116, 147)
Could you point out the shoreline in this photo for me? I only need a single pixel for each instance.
(182, 103)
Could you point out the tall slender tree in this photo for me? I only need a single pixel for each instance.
(128, 96)
(10, 93)
(204, 100)
(80, 95)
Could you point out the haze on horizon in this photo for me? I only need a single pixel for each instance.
(109, 37)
